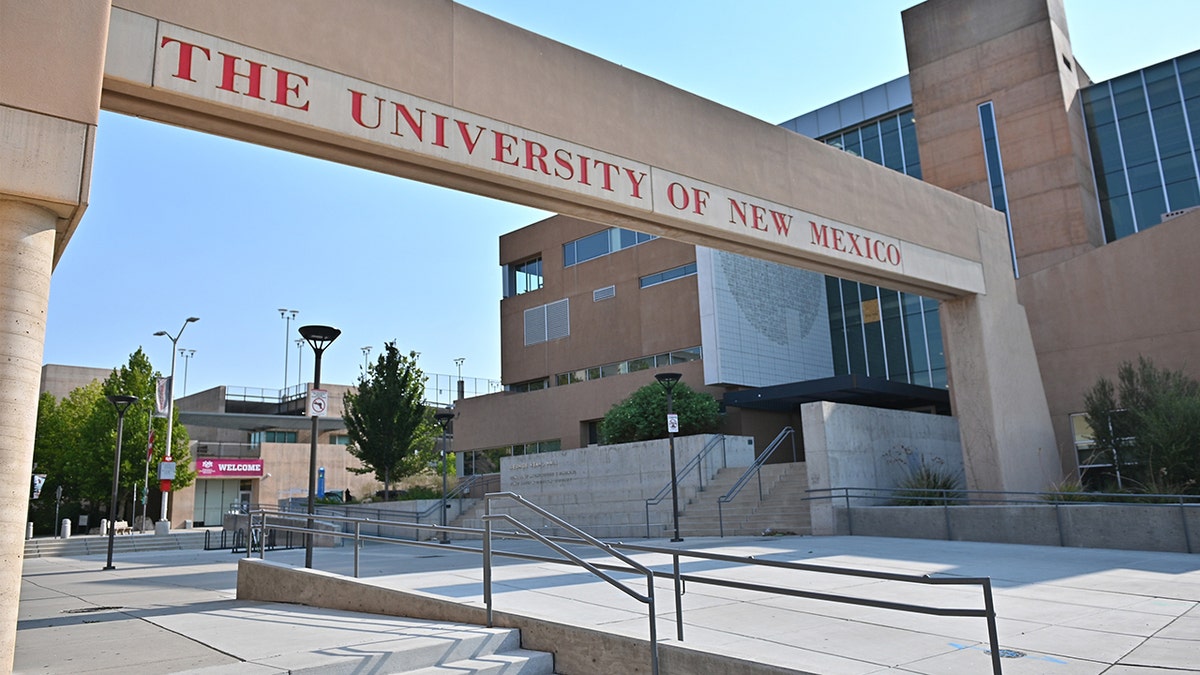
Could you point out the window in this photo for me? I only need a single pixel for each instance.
(668, 275)
(532, 385)
(488, 461)
(601, 244)
(630, 366)
(339, 439)
(260, 437)
(522, 277)
(547, 322)
(995, 169)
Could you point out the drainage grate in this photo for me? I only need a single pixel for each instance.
(86, 610)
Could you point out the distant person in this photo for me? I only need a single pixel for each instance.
(347, 496)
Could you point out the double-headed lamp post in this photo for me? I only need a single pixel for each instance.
(171, 395)
(443, 418)
(319, 338)
(668, 381)
(121, 403)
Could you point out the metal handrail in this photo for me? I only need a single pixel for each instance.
(947, 498)
(693, 462)
(753, 470)
(488, 517)
(988, 611)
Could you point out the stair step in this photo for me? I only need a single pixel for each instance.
(514, 662)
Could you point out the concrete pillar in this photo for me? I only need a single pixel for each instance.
(995, 384)
(26, 258)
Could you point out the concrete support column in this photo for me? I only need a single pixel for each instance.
(26, 259)
(995, 384)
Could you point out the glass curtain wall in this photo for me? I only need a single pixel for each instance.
(875, 331)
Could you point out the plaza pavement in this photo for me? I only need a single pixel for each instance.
(1061, 610)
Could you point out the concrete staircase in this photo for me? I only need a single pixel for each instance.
(476, 651)
(123, 543)
(782, 508)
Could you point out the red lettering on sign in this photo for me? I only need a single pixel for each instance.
(468, 141)
(563, 159)
(536, 152)
(503, 148)
(253, 78)
(184, 69)
(417, 127)
(860, 245)
(284, 86)
(783, 222)
(356, 109)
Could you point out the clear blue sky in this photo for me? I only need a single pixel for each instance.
(182, 224)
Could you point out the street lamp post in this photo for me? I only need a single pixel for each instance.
(171, 398)
(319, 338)
(458, 362)
(668, 381)
(366, 350)
(287, 315)
(187, 355)
(443, 418)
(299, 360)
(121, 403)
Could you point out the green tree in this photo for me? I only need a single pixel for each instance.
(391, 430)
(1150, 422)
(643, 415)
(76, 438)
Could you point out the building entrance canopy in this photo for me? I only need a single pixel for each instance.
(853, 389)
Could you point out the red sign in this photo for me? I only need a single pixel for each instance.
(229, 468)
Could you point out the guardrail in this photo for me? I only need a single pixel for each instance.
(754, 470)
(695, 462)
(870, 497)
(261, 519)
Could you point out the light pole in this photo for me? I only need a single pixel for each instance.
(299, 360)
(443, 418)
(287, 315)
(187, 355)
(668, 381)
(366, 350)
(319, 337)
(458, 362)
(121, 403)
(171, 398)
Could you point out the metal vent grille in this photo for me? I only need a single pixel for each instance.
(604, 293)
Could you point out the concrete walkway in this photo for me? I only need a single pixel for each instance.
(1063, 610)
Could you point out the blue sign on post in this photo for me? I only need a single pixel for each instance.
(320, 482)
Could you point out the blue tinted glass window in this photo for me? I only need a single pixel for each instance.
(893, 332)
(870, 144)
(851, 311)
(837, 328)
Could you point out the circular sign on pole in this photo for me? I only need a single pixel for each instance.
(318, 402)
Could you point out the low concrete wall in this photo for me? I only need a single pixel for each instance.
(577, 651)
(856, 446)
(603, 489)
(1134, 527)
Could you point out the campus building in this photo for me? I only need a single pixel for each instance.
(1095, 180)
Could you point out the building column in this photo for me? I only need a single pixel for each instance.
(996, 387)
(26, 259)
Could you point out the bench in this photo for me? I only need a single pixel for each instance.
(122, 527)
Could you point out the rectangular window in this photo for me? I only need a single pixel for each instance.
(995, 168)
(601, 244)
(668, 275)
(547, 322)
(339, 439)
(522, 277)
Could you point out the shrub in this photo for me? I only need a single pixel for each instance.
(643, 416)
(926, 481)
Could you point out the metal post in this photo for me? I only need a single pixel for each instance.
(678, 598)
(443, 418)
(171, 401)
(487, 558)
(121, 403)
(668, 381)
(319, 337)
(146, 478)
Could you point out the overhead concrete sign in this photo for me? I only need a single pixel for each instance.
(195, 65)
